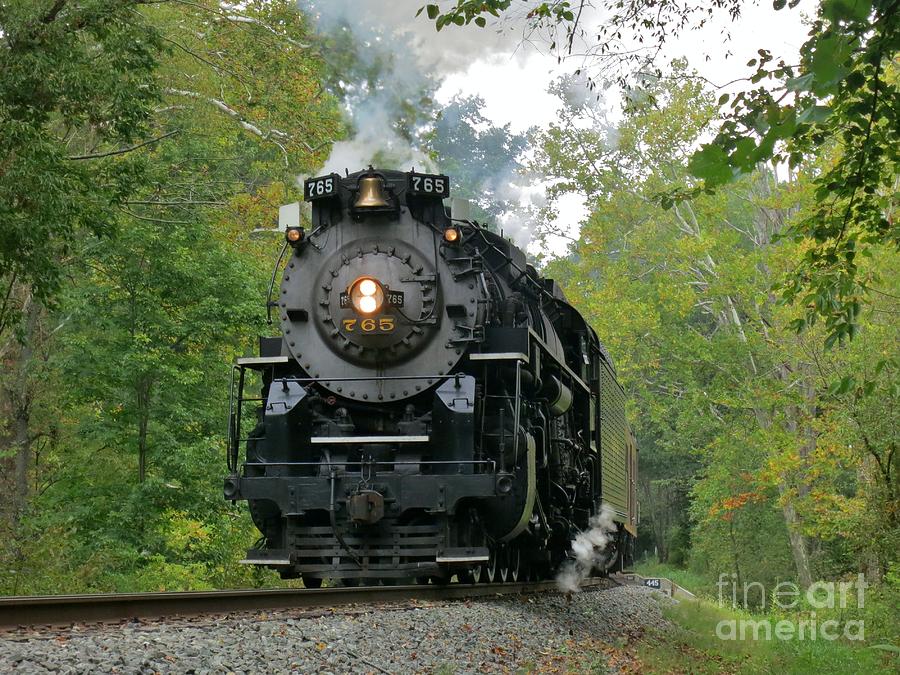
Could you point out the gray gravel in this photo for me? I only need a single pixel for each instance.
(496, 635)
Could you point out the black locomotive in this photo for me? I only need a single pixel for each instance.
(433, 407)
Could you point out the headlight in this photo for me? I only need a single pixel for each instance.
(367, 295)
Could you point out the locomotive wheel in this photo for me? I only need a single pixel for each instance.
(515, 564)
(470, 576)
(312, 582)
(489, 569)
(503, 565)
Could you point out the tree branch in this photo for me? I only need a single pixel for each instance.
(54, 11)
(236, 18)
(124, 150)
(156, 220)
(270, 136)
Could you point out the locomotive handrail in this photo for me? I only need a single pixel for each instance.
(368, 379)
(237, 400)
(269, 304)
(562, 364)
(405, 462)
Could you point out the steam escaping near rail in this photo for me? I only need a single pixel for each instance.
(589, 548)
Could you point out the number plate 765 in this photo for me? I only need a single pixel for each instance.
(384, 324)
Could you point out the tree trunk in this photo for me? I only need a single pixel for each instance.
(799, 548)
(21, 396)
(143, 410)
(800, 425)
(734, 556)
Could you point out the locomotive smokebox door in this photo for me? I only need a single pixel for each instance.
(366, 508)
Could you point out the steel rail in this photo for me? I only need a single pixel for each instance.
(68, 609)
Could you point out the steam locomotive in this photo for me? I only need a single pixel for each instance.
(433, 409)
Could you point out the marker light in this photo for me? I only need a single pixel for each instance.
(367, 295)
(451, 235)
(294, 235)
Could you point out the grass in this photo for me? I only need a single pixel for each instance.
(692, 645)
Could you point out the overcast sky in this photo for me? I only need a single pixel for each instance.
(512, 77)
(514, 85)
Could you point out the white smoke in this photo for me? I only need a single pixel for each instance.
(411, 57)
(589, 548)
(375, 137)
(421, 46)
(526, 194)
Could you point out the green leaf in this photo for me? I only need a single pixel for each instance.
(433, 11)
(828, 63)
(710, 163)
(480, 21)
(814, 114)
(743, 153)
(854, 80)
(800, 83)
(723, 99)
(846, 10)
(841, 387)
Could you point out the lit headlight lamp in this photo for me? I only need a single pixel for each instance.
(366, 296)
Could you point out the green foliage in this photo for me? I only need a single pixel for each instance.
(482, 160)
(468, 11)
(132, 400)
(692, 646)
(737, 421)
(844, 92)
(77, 82)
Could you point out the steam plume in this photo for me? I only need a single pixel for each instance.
(589, 548)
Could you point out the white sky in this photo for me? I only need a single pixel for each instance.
(514, 86)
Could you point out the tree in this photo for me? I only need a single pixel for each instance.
(145, 320)
(484, 161)
(727, 399)
(845, 91)
(77, 88)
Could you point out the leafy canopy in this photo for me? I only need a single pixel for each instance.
(77, 83)
(844, 92)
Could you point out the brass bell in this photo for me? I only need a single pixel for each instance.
(370, 193)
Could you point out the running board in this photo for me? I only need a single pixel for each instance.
(281, 562)
(462, 555)
(329, 440)
(276, 558)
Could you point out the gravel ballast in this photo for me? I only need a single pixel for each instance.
(487, 635)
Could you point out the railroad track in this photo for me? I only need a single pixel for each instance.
(68, 609)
